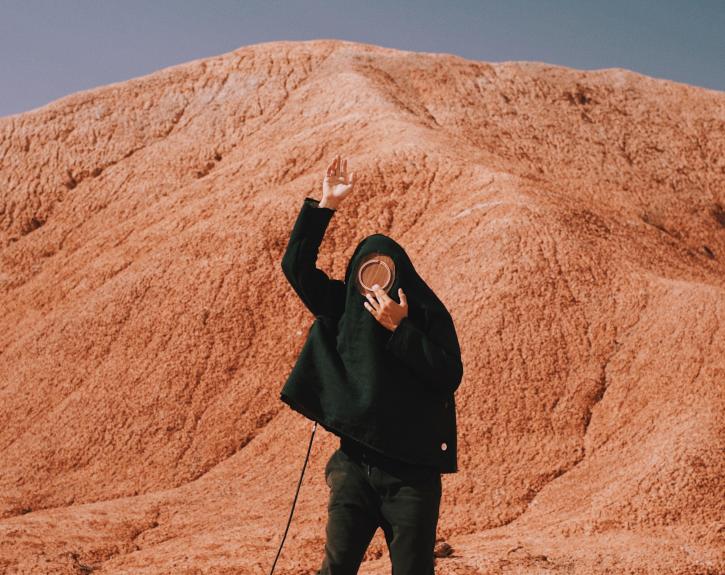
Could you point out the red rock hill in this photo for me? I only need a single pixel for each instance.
(573, 222)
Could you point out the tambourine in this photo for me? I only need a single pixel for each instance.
(375, 268)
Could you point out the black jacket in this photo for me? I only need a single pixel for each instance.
(391, 391)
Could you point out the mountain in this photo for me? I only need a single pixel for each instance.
(572, 221)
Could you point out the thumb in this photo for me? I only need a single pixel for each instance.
(403, 299)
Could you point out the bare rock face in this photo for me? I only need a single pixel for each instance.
(573, 222)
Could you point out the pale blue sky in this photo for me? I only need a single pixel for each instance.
(52, 48)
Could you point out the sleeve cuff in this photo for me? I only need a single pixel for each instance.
(313, 203)
(397, 340)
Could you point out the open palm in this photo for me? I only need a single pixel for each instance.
(337, 183)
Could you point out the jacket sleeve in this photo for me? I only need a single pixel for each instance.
(320, 294)
(433, 355)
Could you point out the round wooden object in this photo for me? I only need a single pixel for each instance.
(375, 268)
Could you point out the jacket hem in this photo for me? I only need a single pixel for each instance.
(336, 431)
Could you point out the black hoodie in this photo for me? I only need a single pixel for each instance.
(390, 391)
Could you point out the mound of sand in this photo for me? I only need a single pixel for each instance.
(573, 222)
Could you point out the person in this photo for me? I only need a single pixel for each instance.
(381, 374)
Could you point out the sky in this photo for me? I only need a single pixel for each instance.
(49, 49)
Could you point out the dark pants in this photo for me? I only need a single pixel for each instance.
(363, 497)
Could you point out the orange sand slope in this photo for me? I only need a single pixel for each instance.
(573, 222)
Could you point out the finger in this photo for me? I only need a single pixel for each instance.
(369, 308)
(372, 301)
(376, 291)
(403, 298)
(380, 293)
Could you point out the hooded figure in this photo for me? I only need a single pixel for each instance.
(392, 391)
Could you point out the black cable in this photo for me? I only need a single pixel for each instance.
(309, 447)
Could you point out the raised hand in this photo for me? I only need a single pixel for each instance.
(385, 309)
(336, 185)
